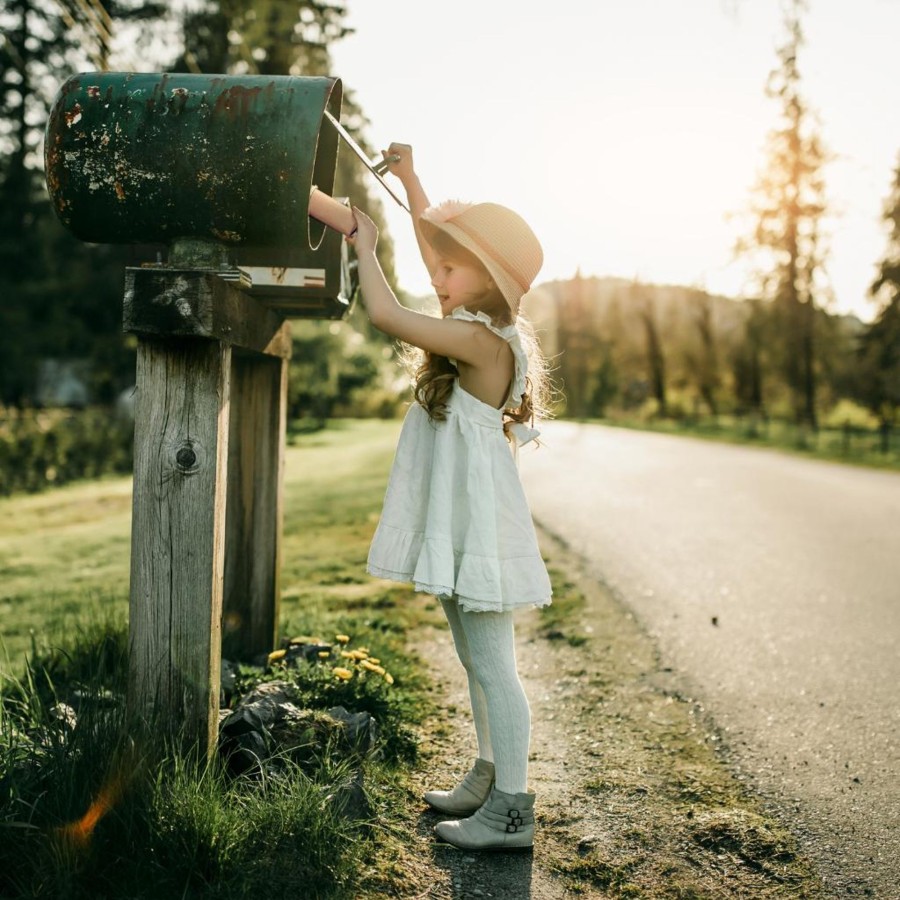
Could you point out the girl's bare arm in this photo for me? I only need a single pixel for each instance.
(415, 194)
(469, 342)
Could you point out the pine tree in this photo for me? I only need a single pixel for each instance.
(788, 206)
(60, 297)
(878, 352)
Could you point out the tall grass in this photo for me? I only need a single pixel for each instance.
(100, 811)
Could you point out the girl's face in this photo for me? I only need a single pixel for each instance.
(458, 284)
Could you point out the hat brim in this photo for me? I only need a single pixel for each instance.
(506, 284)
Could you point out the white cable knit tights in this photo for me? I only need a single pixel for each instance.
(485, 644)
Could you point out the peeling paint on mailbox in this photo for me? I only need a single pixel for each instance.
(135, 158)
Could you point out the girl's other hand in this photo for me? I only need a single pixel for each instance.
(403, 167)
(366, 236)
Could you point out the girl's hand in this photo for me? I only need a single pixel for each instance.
(403, 167)
(366, 236)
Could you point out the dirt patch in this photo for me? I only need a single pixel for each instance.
(634, 797)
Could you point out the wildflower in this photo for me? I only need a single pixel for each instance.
(275, 655)
(373, 660)
(371, 667)
(388, 678)
(323, 653)
(306, 639)
(343, 638)
(343, 673)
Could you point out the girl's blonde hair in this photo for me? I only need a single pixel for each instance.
(433, 375)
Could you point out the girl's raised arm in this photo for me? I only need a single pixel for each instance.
(457, 339)
(415, 194)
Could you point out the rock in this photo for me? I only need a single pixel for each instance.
(302, 733)
(361, 728)
(245, 752)
(349, 798)
(268, 702)
(228, 677)
(267, 725)
(309, 652)
(64, 715)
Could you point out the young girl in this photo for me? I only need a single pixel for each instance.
(455, 520)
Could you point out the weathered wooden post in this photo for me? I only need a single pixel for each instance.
(218, 169)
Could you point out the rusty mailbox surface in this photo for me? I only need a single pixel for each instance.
(155, 158)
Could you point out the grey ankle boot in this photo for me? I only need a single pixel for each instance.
(503, 822)
(468, 795)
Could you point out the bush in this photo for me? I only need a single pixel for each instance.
(44, 447)
(850, 413)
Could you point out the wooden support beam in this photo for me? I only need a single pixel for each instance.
(254, 520)
(178, 535)
(166, 302)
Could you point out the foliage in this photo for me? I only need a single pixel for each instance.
(76, 801)
(185, 829)
(40, 448)
(786, 241)
(337, 369)
(61, 297)
(878, 351)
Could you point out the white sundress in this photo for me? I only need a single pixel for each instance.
(455, 520)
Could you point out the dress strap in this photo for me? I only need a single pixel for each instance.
(510, 334)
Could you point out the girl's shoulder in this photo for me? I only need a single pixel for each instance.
(507, 332)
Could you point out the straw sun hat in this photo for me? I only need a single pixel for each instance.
(500, 238)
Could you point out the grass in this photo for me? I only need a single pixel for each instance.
(90, 812)
(857, 446)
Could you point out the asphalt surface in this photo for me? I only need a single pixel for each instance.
(772, 585)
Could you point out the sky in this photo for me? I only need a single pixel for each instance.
(628, 134)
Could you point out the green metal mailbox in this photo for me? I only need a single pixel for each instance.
(160, 158)
(220, 169)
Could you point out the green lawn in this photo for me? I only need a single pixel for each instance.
(188, 831)
(64, 554)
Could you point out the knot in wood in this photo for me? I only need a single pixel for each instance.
(187, 459)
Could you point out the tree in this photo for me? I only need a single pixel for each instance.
(788, 207)
(704, 362)
(656, 361)
(60, 297)
(878, 350)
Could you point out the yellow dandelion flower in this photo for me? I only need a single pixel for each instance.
(323, 653)
(372, 668)
(372, 659)
(276, 654)
(364, 650)
(388, 678)
(343, 638)
(343, 673)
(347, 654)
